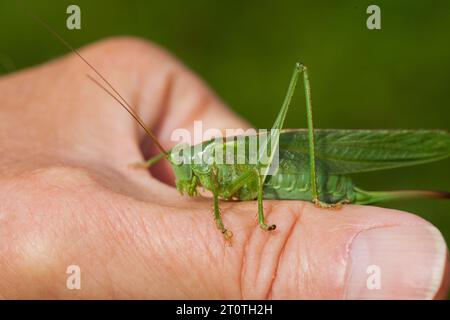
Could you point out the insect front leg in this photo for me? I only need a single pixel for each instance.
(148, 163)
(218, 218)
(274, 142)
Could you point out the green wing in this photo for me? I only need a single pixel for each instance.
(350, 151)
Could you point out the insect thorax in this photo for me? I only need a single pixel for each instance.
(229, 179)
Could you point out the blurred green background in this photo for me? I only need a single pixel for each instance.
(396, 77)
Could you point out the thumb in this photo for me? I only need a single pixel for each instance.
(358, 252)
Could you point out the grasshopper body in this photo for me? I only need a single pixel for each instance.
(339, 154)
(314, 165)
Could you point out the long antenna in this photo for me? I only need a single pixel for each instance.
(139, 120)
(123, 103)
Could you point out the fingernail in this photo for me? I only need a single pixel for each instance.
(404, 262)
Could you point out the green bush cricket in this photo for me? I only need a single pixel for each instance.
(313, 164)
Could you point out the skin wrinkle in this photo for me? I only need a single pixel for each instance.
(348, 262)
(125, 248)
(73, 191)
(93, 203)
(268, 209)
(148, 244)
(149, 256)
(186, 254)
(223, 291)
(257, 271)
(237, 255)
(91, 179)
(155, 233)
(103, 180)
(298, 214)
(116, 233)
(178, 278)
(210, 259)
(8, 266)
(213, 254)
(242, 267)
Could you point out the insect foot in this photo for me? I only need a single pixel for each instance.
(333, 206)
(228, 235)
(267, 227)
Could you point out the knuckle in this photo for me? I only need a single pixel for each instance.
(124, 43)
(128, 49)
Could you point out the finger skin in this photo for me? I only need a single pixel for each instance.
(137, 249)
(68, 197)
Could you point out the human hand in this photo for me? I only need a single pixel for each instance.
(68, 197)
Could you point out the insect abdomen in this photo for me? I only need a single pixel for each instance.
(332, 189)
(292, 181)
